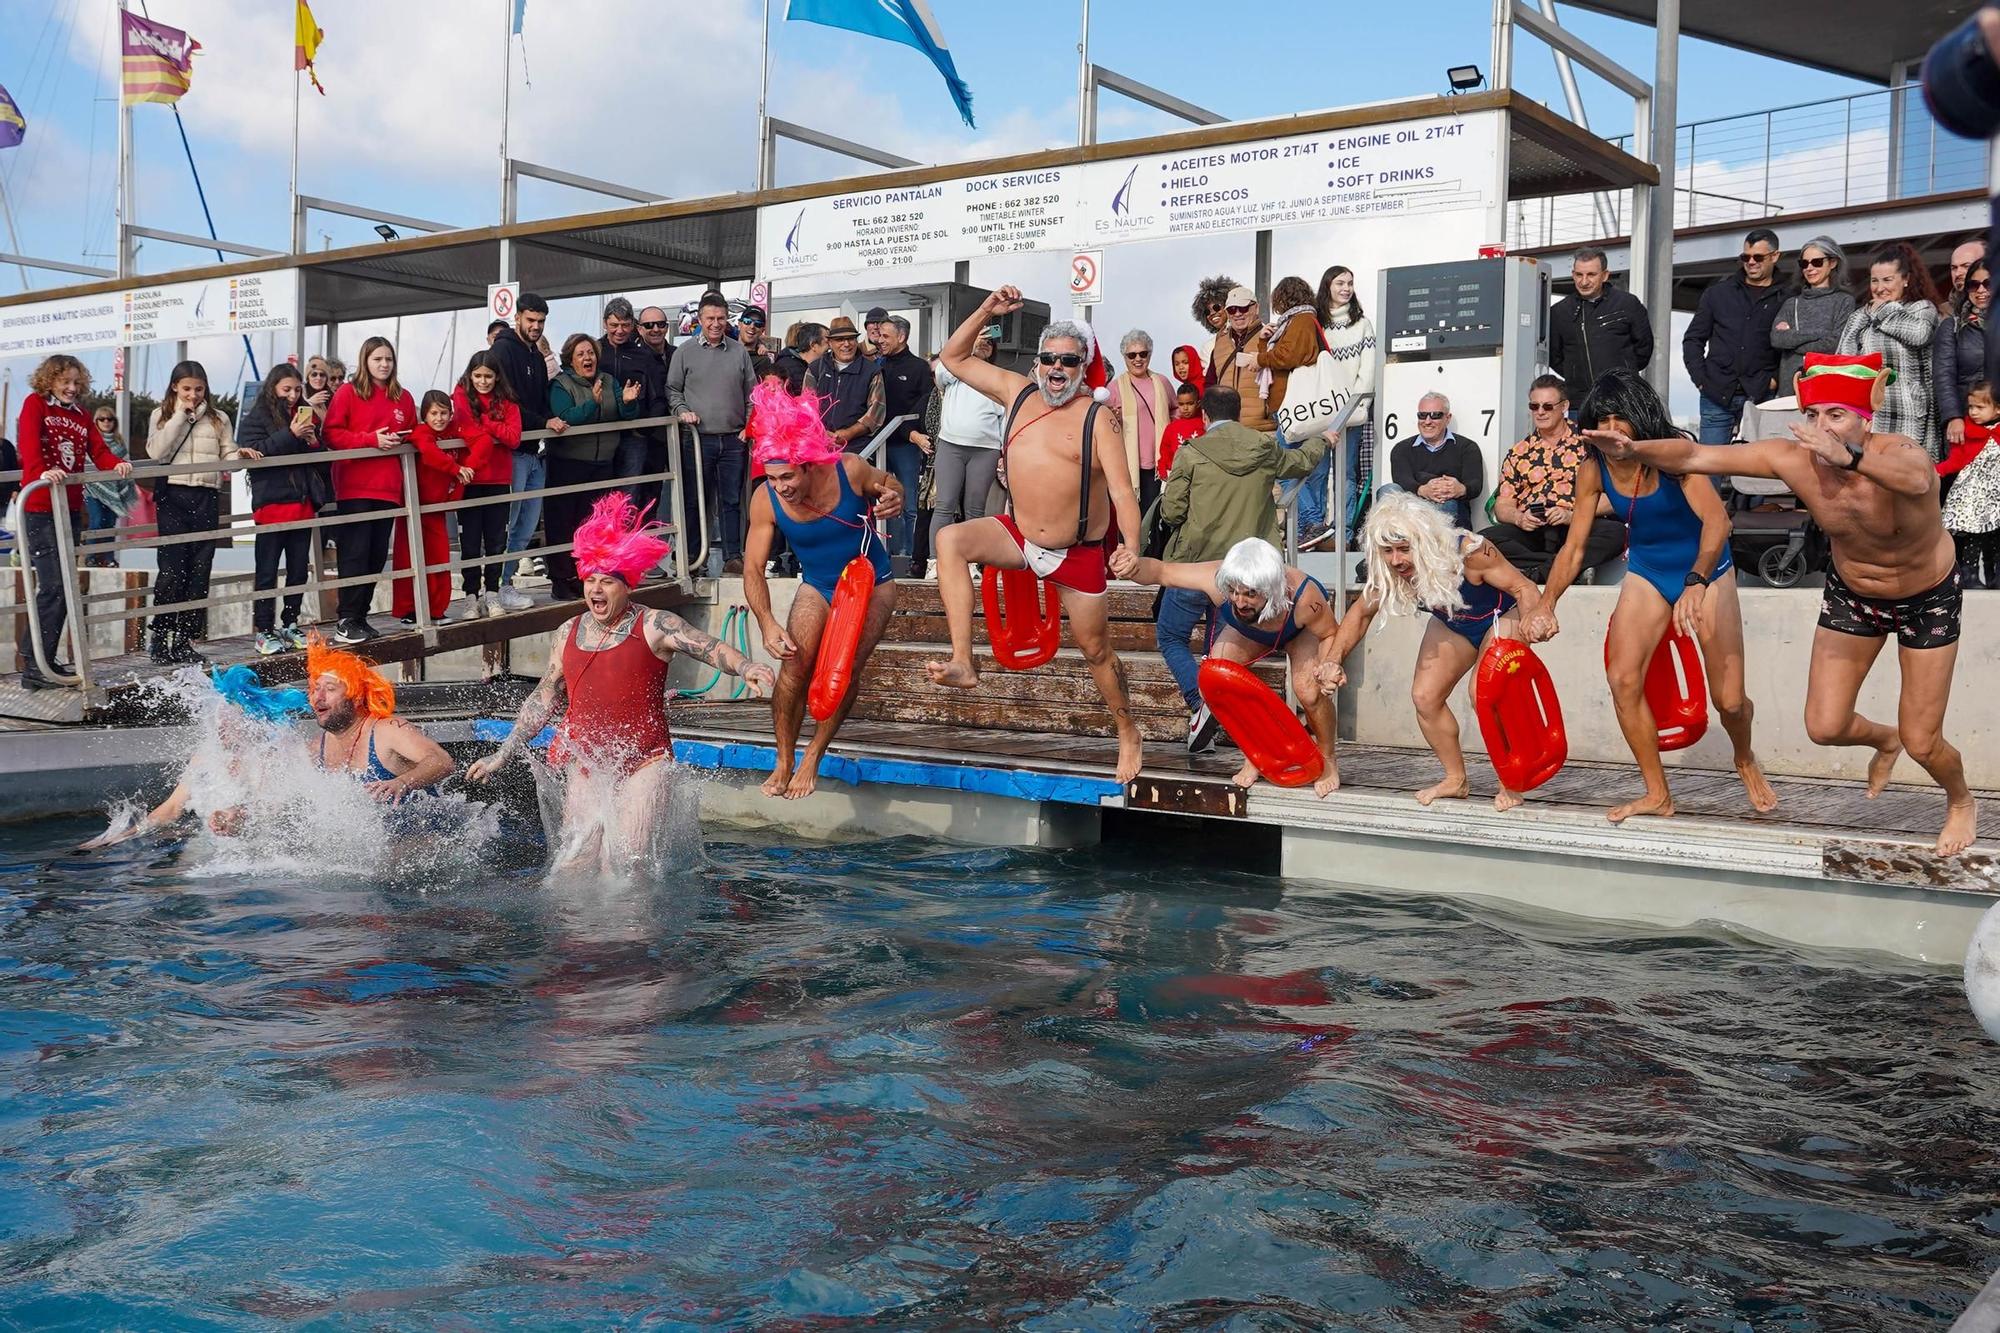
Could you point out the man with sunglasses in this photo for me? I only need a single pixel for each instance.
(1438, 464)
(1536, 500)
(1727, 346)
(1070, 506)
(1233, 361)
(621, 355)
(1599, 328)
(750, 326)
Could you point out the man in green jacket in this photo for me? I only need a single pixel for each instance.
(1218, 493)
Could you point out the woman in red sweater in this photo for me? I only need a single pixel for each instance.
(371, 411)
(441, 477)
(56, 438)
(485, 413)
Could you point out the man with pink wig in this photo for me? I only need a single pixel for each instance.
(825, 502)
(610, 667)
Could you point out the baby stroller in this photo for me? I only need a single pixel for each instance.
(1774, 537)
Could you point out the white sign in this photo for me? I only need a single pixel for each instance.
(760, 294)
(501, 299)
(1417, 167)
(171, 312)
(72, 324)
(1086, 277)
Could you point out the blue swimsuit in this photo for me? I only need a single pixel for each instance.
(1279, 637)
(1484, 604)
(1664, 534)
(377, 771)
(825, 544)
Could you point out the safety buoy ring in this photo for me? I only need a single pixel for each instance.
(1676, 689)
(1263, 725)
(840, 641)
(1519, 716)
(1023, 618)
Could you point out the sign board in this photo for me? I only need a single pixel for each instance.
(1086, 277)
(760, 295)
(165, 312)
(1425, 167)
(501, 298)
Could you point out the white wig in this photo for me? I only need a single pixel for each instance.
(1254, 565)
(1402, 519)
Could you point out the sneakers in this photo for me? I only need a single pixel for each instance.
(1314, 538)
(270, 644)
(1202, 727)
(294, 637)
(353, 631)
(511, 598)
(409, 621)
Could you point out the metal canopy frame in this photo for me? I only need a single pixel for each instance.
(671, 242)
(512, 173)
(773, 129)
(1098, 77)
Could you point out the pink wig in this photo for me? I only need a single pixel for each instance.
(617, 540)
(788, 430)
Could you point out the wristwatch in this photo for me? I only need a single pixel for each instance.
(1695, 580)
(1854, 453)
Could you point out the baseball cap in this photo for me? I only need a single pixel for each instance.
(1241, 296)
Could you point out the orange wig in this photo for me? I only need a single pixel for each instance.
(369, 689)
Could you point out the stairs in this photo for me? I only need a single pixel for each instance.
(1057, 699)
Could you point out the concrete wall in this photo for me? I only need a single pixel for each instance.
(1778, 628)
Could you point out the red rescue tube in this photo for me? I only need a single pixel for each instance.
(1520, 718)
(1023, 618)
(1263, 725)
(840, 641)
(1676, 689)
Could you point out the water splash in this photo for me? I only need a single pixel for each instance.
(642, 827)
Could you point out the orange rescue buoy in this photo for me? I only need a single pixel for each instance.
(1023, 618)
(840, 641)
(1263, 725)
(1520, 718)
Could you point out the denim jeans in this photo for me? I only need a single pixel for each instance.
(1181, 610)
(725, 460)
(1351, 502)
(531, 473)
(1719, 420)
(1312, 492)
(906, 464)
(101, 516)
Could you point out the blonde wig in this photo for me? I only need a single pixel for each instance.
(1400, 519)
(1254, 565)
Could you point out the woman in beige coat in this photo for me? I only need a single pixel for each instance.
(187, 428)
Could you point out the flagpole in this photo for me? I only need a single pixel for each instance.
(506, 163)
(124, 207)
(767, 169)
(1086, 129)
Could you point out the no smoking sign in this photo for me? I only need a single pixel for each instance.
(1086, 277)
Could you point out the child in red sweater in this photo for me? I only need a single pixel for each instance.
(484, 404)
(1184, 427)
(441, 477)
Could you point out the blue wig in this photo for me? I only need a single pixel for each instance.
(239, 685)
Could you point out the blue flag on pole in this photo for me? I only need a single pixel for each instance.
(520, 15)
(905, 21)
(13, 125)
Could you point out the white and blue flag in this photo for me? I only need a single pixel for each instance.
(905, 21)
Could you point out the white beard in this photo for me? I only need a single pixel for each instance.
(1069, 393)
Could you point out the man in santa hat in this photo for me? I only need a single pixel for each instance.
(1071, 506)
(1876, 498)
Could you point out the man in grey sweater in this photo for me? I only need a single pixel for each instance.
(708, 387)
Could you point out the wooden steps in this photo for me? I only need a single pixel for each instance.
(1060, 698)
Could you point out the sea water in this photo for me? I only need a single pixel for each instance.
(906, 1085)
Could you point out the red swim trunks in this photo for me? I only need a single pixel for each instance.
(1082, 568)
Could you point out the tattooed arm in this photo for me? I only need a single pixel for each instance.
(667, 633)
(535, 713)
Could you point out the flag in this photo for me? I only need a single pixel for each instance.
(520, 15)
(159, 61)
(306, 45)
(13, 125)
(905, 21)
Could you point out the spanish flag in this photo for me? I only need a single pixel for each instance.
(159, 61)
(13, 125)
(307, 45)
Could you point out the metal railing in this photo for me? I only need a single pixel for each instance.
(1865, 148)
(673, 494)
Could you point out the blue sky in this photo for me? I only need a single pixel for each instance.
(663, 95)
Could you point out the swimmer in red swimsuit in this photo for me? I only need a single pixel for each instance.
(610, 666)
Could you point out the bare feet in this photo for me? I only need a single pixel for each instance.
(780, 777)
(1506, 799)
(955, 675)
(1762, 798)
(1661, 807)
(1961, 826)
(806, 781)
(1451, 789)
(1329, 781)
(1878, 767)
(1246, 776)
(1131, 752)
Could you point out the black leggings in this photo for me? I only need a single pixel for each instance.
(364, 550)
(294, 548)
(1977, 550)
(482, 531)
(183, 567)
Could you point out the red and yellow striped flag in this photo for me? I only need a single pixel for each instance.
(307, 45)
(159, 61)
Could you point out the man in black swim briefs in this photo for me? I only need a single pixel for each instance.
(1876, 498)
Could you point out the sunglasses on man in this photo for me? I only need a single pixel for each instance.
(752, 320)
(1748, 257)
(652, 323)
(1238, 309)
(1432, 416)
(1067, 360)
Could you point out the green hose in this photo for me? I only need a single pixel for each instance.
(737, 622)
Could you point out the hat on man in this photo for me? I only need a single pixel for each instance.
(756, 310)
(876, 314)
(1856, 383)
(1240, 296)
(842, 327)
